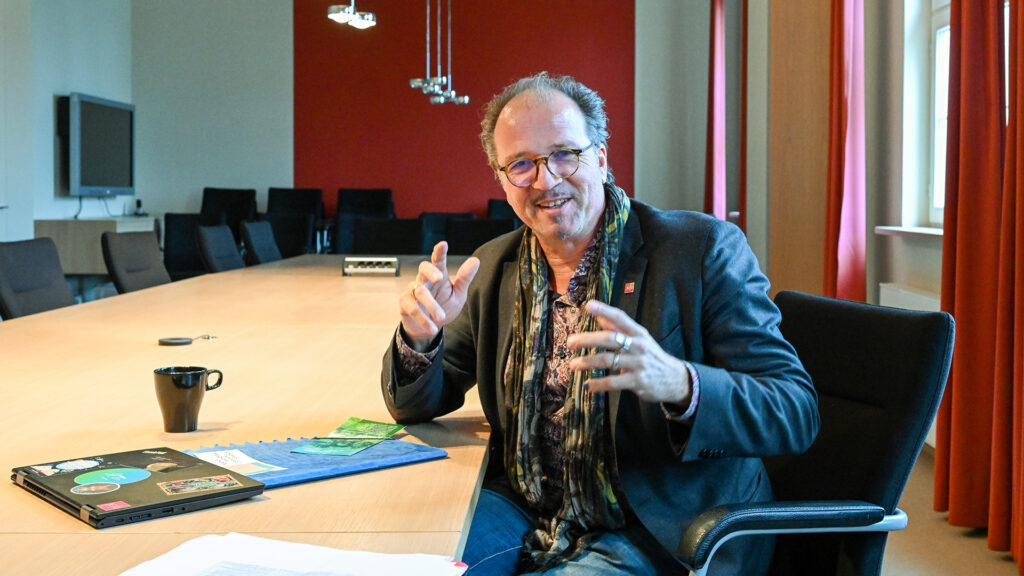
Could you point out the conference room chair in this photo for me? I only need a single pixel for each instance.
(367, 202)
(879, 373)
(392, 236)
(230, 206)
(181, 246)
(304, 200)
(133, 260)
(500, 208)
(218, 249)
(294, 232)
(465, 236)
(31, 278)
(258, 239)
(433, 225)
(358, 203)
(282, 201)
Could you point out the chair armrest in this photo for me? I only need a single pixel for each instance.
(715, 526)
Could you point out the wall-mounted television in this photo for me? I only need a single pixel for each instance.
(100, 145)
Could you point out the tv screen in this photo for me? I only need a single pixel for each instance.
(101, 146)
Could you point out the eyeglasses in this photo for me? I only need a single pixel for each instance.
(561, 163)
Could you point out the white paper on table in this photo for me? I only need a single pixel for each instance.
(234, 459)
(243, 555)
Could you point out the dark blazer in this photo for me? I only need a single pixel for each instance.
(697, 289)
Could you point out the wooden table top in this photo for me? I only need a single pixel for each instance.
(300, 346)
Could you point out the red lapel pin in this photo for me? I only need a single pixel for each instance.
(629, 287)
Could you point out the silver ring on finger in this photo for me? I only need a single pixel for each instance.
(620, 339)
(615, 361)
(626, 343)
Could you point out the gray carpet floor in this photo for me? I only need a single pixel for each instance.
(930, 546)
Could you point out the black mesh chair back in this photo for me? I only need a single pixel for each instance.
(218, 248)
(31, 278)
(465, 236)
(500, 208)
(294, 232)
(296, 200)
(181, 246)
(133, 260)
(879, 373)
(434, 225)
(368, 202)
(392, 236)
(260, 246)
(230, 206)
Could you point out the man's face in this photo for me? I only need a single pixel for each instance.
(560, 211)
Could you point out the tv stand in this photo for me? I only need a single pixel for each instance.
(78, 240)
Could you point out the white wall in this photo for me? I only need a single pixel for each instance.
(672, 39)
(76, 47)
(212, 82)
(671, 102)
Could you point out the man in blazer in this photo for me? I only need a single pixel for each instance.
(628, 359)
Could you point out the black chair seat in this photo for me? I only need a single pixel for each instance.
(181, 246)
(879, 373)
(260, 246)
(133, 260)
(387, 236)
(31, 278)
(218, 248)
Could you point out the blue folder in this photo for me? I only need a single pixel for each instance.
(305, 467)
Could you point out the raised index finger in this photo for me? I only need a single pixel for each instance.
(439, 257)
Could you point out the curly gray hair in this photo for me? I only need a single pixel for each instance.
(590, 104)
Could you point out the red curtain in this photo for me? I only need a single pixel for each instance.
(845, 225)
(978, 472)
(714, 162)
(1006, 505)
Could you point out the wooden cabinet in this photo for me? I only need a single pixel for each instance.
(78, 241)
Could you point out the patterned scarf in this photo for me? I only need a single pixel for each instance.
(588, 501)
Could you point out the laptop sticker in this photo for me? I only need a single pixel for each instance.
(204, 484)
(116, 475)
(95, 488)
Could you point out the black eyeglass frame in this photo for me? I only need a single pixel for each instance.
(536, 165)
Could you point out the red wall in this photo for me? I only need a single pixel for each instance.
(359, 124)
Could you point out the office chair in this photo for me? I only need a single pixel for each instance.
(230, 206)
(500, 208)
(294, 232)
(260, 246)
(31, 278)
(133, 260)
(304, 200)
(284, 202)
(433, 226)
(181, 246)
(879, 373)
(387, 236)
(218, 249)
(368, 202)
(465, 236)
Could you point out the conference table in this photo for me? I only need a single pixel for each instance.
(300, 346)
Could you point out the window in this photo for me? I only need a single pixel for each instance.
(939, 62)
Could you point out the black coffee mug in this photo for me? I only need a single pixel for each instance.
(180, 390)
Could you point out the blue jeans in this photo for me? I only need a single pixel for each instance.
(499, 525)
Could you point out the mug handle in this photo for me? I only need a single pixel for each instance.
(220, 378)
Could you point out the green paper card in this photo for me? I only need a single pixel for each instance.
(360, 428)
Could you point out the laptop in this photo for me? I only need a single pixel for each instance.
(115, 489)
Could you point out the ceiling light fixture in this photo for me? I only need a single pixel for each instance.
(343, 14)
(434, 86)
